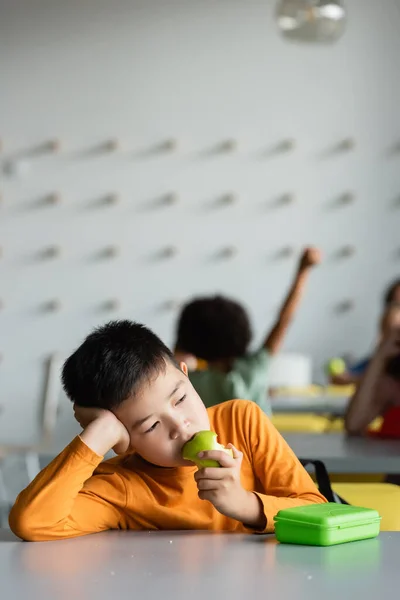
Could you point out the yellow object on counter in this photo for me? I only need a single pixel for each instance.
(314, 391)
(300, 422)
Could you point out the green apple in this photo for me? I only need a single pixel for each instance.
(203, 441)
(336, 366)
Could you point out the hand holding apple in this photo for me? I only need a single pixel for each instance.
(202, 442)
(222, 487)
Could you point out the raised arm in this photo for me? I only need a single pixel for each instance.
(275, 338)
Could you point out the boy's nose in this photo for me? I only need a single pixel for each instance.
(179, 429)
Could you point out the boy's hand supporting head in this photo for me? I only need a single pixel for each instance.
(102, 430)
(222, 487)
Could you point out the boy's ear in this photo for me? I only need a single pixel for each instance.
(183, 367)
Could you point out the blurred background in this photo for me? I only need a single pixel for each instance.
(154, 150)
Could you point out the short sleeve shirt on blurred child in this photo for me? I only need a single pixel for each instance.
(248, 379)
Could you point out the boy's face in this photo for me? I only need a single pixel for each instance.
(163, 416)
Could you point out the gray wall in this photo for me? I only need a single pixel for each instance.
(144, 71)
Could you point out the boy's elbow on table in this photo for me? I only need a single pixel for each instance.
(30, 528)
(23, 526)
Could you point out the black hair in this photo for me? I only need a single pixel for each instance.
(112, 363)
(391, 292)
(213, 328)
(393, 367)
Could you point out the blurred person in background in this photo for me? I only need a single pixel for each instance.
(216, 330)
(378, 391)
(390, 318)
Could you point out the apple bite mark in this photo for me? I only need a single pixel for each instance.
(203, 441)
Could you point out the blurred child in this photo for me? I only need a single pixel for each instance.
(217, 330)
(391, 302)
(378, 392)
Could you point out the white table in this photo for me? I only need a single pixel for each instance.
(320, 405)
(196, 566)
(344, 454)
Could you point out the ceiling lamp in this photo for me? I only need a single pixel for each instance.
(311, 20)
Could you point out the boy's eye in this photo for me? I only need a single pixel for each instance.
(180, 400)
(152, 428)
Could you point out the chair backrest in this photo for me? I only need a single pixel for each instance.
(290, 370)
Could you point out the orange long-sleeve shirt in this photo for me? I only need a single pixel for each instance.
(77, 493)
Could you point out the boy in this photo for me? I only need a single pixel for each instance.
(217, 329)
(129, 394)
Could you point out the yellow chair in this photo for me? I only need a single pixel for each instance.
(337, 424)
(300, 422)
(340, 390)
(314, 391)
(383, 497)
(311, 423)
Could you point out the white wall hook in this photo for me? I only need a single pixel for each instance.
(51, 252)
(53, 199)
(172, 304)
(347, 198)
(287, 145)
(228, 199)
(287, 198)
(53, 145)
(112, 199)
(286, 252)
(345, 305)
(229, 145)
(347, 251)
(169, 252)
(53, 305)
(347, 144)
(110, 252)
(112, 145)
(170, 198)
(112, 304)
(18, 167)
(228, 252)
(170, 145)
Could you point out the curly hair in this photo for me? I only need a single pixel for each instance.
(393, 367)
(214, 328)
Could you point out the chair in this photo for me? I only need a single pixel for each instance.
(300, 422)
(383, 497)
(31, 452)
(290, 370)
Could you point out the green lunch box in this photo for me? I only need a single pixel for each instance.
(326, 524)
